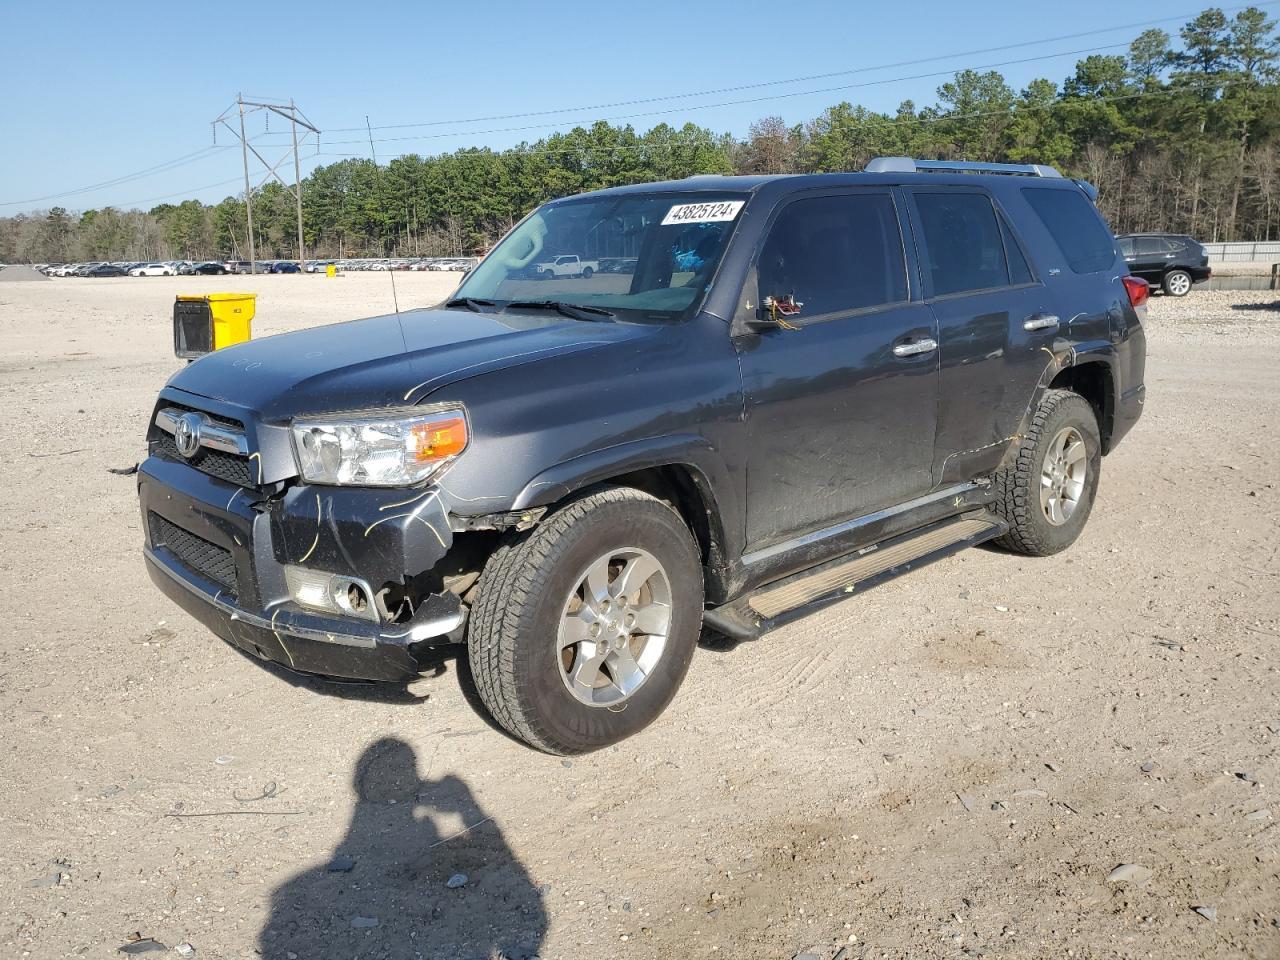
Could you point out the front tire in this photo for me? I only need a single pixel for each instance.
(1176, 283)
(583, 628)
(1046, 493)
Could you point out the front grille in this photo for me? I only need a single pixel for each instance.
(225, 466)
(215, 417)
(207, 559)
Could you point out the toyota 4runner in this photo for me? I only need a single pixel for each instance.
(807, 385)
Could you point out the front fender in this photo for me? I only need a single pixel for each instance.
(692, 450)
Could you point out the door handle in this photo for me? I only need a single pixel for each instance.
(1041, 321)
(915, 347)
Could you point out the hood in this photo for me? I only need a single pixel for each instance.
(391, 361)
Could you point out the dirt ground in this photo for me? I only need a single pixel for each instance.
(949, 766)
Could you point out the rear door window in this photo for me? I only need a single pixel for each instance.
(835, 254)
(1153, 247)
(965, 251)
(1019, 271)
(1077, 229)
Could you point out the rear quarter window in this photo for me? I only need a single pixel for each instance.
(1076, 227)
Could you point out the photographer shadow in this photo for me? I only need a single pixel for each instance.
(385, 893)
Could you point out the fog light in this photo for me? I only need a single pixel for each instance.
(330, 593)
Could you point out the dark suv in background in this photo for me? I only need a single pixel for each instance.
(800, 386)
(1170, 261)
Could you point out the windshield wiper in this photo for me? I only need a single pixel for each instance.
(574, 311)
(470, 303)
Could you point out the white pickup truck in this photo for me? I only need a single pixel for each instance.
(566, 266)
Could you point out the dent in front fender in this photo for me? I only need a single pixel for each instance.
(381, 536)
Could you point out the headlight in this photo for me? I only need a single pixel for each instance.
(395, 449)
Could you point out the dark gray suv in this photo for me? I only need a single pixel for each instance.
(800, 387)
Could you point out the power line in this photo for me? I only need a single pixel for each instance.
(209, 151)
(881, 120)
(747, 100)
(196, 156)
(805, 79)
(180, 193)
(674, 144)
(164, 167)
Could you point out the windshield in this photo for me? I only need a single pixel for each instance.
(640, 256)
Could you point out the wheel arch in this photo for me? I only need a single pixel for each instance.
(685, 472)
(1094, 381)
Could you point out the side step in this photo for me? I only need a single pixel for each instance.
(803, 593)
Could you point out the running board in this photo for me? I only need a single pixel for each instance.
(748, 618)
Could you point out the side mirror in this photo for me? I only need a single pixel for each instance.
(774, 313)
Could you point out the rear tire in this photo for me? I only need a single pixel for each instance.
(1046, 493)
(1176, 283)
(587, 272)
(584, 568)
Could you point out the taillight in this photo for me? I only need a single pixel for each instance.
(1138, 289)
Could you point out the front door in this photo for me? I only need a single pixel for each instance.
(841, 409)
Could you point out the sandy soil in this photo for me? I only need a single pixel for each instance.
(949, 766)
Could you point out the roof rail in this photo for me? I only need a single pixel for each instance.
(910, 165)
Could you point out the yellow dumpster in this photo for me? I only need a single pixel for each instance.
(211, 321)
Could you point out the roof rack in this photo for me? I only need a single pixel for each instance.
(910, 165)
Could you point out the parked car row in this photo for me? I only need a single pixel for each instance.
(164, 268)
(460, 264)
(182, 268)
(125, 268)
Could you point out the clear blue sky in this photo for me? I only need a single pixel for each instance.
(100, 91)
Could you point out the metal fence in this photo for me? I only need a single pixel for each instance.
(1265, 251)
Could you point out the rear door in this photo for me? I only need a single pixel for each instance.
(841, 403)
(995, 322)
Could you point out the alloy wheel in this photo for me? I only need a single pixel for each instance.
(614, 627)
(1063, 476)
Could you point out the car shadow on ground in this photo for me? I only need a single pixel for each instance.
(436, 662)
(1257, 306)
(421, 874)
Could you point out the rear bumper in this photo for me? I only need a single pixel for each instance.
(1128, 410)
(251, 608)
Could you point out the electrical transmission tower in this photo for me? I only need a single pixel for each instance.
(296, 118)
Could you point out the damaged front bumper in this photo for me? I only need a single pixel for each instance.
(219, 551)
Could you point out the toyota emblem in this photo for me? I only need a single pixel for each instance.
(186, 434)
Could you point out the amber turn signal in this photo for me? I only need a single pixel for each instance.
(439, 439)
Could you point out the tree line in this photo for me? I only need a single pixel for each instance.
(1180, 136)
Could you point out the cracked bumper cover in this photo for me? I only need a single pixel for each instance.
(336, 530)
